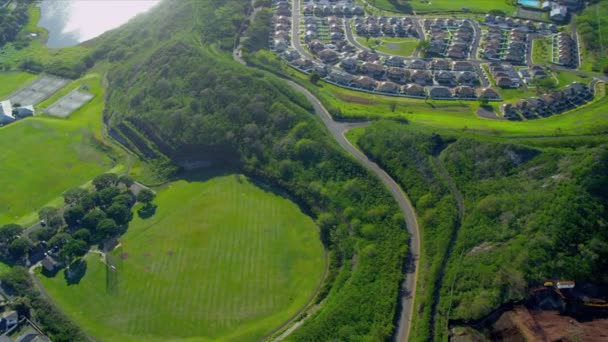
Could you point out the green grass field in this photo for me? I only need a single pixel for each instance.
(541, 51)
(222, 259)
(12, 81)
(48, 156)
(448, 5)
(395, 46)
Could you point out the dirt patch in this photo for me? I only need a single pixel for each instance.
(170, 253)
(488, 114)
(483, 247)
(124, 256)
(354, 99)
(547, 326)
(147, 255)
(147, 269)
(392, 46)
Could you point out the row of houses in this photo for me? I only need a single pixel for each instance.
(391, 27)
(368, 83)
(574, 95)
(331, 26)
(281, 37)
(8, 113)
(283, 7)
(505, 45)
(449, 38)
(512, 23)
(327, 10)
(567, 52)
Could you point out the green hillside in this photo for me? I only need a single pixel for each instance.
(529, 215)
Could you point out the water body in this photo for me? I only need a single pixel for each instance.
(71, 22)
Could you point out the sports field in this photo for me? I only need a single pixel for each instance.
(45, 156)
(222, 259)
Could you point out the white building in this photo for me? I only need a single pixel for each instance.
(6, 112)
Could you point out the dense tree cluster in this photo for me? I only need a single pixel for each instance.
(88, 218)
(530, 215)
(592, 28)
(12, 20)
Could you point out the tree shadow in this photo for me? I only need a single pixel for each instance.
(75, 272)
(147, 211)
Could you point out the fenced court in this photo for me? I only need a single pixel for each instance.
(39, 90)
(69, 103)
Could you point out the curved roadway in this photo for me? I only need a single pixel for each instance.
(408, 287)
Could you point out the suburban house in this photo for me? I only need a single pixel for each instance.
(397, 74)
(328, 56)
(468, 78)
(394, 61)
(373, 69)
(464, 92)
(6, 112)
(440, 64)
(462, 66)
(349, 64)
(558, 13)
(340, 77)
(445, 78)
(387, 87)
(421, 77)
(417, 64)
(440, 93)
(49, 263)
(489, 93)
(364, 82)
(8, 320)
(413, 90)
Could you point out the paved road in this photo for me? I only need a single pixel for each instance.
(295, 31)
(408, 288)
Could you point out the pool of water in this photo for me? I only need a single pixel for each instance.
(529, 3)
(71, 22)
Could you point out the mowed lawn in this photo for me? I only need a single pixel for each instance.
(222, 259)
(393, 45)
(44, 156)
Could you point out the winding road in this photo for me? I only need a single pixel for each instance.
(337, 130)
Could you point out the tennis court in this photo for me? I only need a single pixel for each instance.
(69, 103)
(39, 90)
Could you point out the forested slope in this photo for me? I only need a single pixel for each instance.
(530, 215)
(174, 83)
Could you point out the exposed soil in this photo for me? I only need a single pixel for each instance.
(488, 114)
(354, 99)
(523, 324)
(124, 256)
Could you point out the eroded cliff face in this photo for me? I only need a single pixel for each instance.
(522, 324)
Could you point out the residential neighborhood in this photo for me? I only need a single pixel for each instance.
(457, 58)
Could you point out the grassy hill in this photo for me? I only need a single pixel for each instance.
(232, 262)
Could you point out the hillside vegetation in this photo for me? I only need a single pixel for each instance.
(175, 91)
(592, 27)
(530, 215)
